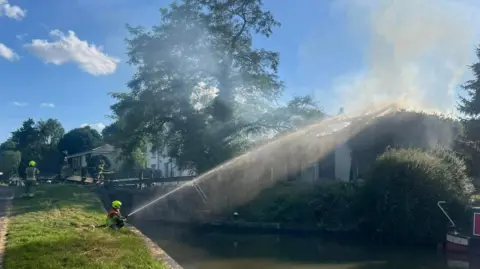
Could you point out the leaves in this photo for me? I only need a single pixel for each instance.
(35, 141)
(470, 107)
(79, 140)
(201, 88)
(9, 162)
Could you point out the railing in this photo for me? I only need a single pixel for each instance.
(147, 181)
(132, 182)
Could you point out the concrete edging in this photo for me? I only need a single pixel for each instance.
(157, 252)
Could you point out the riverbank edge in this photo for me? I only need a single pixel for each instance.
(260, 227)
(157, 252)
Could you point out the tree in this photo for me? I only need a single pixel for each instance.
(209, 42)
(470, 107)
(51, 131)
(300, 111)
(9, 162)
(8, 145)
(38, 142)
(199, 81)
(27, 141)
(79, 140)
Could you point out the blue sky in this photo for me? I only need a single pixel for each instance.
(328, 49)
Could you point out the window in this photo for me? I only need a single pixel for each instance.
(154, 155)
(153, 166)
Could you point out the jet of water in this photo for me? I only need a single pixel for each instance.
(248, 174)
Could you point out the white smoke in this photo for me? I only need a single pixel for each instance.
(418, 52)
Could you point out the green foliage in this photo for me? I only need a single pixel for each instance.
(285, 202)
(470, 107)
(336, 206)
(38, 142)
(300, 111)
(201, 88)
(8, 145)
(9, 162)
(401, 191)
(199, 46)
(327, 205)
(50, 132)
(79, 140)
(134, 161)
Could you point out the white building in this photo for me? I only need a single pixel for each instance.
(160, 161)
(79, 160)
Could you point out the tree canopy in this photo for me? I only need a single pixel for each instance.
(33, 141)
(201, 87)
(470, 107)
(79, 140)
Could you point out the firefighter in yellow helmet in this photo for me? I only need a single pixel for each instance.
(31, 178)
(115, 220)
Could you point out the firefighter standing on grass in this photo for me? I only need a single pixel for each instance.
(31, 180)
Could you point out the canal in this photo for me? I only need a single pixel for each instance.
(228, 250)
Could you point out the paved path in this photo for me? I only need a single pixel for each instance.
(6, 196)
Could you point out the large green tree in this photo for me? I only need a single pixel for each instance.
(199, 81)
(37, 142)
(470, 107)
(79, 140)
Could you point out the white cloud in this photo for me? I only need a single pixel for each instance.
(97, 126)
(13, 12)
(19, 104)
(8, 53)
(418, 52)
(47, 105)
(65, 49)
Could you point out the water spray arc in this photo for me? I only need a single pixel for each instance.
(242, 178)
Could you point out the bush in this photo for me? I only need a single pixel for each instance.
(401, 192)
(335, 206)
(329, 205)
(286, 202)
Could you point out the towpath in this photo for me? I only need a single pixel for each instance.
(6, 197)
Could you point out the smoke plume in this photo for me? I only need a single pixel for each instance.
(417, 55)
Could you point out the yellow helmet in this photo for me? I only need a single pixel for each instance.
(32, 163)
(116, 204)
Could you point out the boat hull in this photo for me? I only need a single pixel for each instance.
(458, 243)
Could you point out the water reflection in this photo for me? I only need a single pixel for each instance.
(214, 250)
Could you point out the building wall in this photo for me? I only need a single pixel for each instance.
(160, 161)
(343, 162)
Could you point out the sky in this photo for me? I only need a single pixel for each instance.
(61, 58)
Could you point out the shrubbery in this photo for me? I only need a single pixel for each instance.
(328, 205)
(397, 201)
(401, 192)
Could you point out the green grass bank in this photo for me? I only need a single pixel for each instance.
(58, 229)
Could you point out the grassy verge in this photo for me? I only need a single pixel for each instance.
(57, 229)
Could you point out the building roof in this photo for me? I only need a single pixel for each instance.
(99, 150)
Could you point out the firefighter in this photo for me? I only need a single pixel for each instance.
(101, 170)
(115, 220)
(31, 180)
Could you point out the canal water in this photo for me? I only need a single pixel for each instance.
(227, 250)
